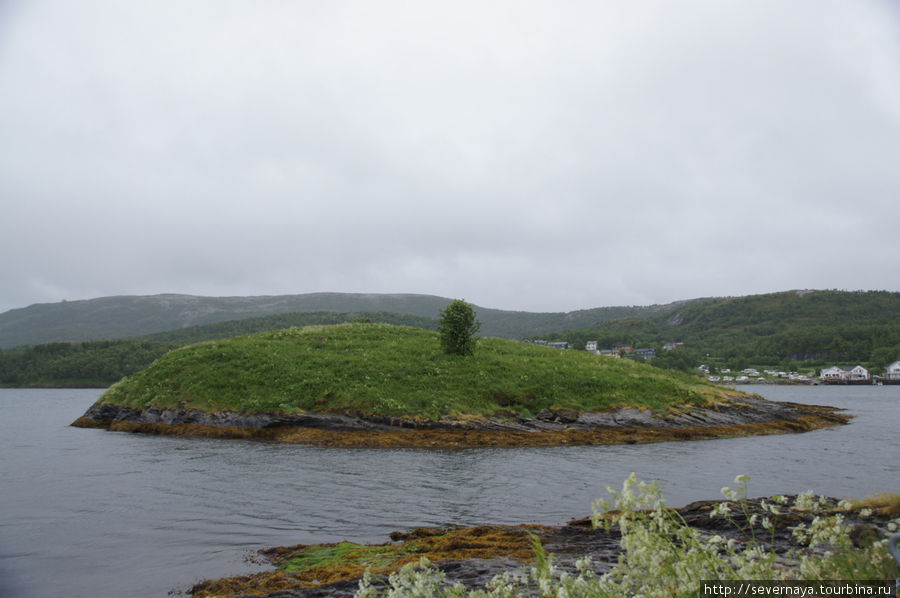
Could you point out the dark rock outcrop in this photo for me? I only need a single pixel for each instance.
(746, 410)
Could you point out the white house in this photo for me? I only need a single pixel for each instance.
(590, 346)
(857, 374)
(892, 372)
(832, 374)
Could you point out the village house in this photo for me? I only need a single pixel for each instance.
(645, 353)
(832, 374)
(892, 372)
(847, 375)
(857, 374)
(619, 349)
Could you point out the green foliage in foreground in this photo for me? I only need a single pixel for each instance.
(397, 370)
(664, 558)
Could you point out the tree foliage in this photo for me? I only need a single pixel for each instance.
(788, 330)
(91, 363)
(458, 328)
(101, 363)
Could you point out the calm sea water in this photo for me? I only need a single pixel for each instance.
(89, 513)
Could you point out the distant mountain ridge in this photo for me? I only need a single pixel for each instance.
(129, 316)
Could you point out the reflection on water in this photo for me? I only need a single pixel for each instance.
(119, 514)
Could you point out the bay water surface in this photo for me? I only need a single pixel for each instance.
(90, 513)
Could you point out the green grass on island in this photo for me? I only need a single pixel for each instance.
(398, 371)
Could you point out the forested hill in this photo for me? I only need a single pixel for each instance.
(794, 326)
(100, 363)
(808, 328)
(131, 316)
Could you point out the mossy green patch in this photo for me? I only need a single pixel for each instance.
(398, 371)
(344, 553)
(311, 565)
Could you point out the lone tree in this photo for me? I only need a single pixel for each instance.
(458, 328)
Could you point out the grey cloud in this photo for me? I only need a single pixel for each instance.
(552, 156)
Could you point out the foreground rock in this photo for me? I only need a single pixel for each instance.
(745, 416)
(473, 556)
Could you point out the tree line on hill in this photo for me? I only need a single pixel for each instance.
(101, 363)
(85, 364)
(791, 330)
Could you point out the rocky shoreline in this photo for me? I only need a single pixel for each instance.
(473, 556)
(746, 415)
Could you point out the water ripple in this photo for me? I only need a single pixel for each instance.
(117, 514)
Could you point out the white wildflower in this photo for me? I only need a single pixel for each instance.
(805, 500)
(720, 510)
(730, 494)
(584, 565)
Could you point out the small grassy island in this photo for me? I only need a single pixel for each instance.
(379, 385)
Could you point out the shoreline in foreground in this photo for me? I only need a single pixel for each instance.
(584, 548)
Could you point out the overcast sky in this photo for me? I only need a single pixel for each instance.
(542, 156)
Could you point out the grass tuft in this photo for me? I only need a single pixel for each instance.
(885, 503)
